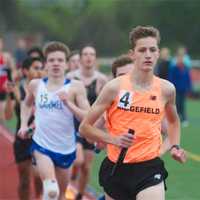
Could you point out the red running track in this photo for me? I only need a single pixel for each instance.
(8, 171)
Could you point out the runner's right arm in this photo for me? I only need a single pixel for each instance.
(103, 101)
(26, 107)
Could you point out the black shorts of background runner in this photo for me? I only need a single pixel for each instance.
(22, 149)
(3, 96)
(86, 145)
(130, 179)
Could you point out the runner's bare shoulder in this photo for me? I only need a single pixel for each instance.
(167, 88)
(72, 74)
(77, 85)
(112, 87)
(33, 85)
(102, 76)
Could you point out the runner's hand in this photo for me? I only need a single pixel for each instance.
(124, 140)
(23, 133)
(178, 155)
(63, 97)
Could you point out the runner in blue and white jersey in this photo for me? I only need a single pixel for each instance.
(57, 102)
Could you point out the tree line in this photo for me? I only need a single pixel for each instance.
(104, 23)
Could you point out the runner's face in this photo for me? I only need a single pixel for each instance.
(123, 69)
(36, 70)
(56, 64)
(88, 57)
(74, 62)
(145, 54)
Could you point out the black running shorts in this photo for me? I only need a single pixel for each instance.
(86, 145)
(129, 179)
(22, 149)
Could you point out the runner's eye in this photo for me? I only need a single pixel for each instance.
(142, 50)
(153, 49)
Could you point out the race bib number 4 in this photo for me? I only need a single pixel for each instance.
(125, 99)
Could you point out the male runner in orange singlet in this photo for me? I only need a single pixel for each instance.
(136, 101)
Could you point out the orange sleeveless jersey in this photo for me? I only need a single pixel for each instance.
(141, 111)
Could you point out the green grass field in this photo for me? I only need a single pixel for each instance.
(184, 180)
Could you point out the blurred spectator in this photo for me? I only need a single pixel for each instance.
(20, 52)
(163, 63)
(7, 72)
(186, 58)
(73, 61)
(179, 75)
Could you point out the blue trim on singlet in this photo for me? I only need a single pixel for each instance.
(45, 80)
(67, 81)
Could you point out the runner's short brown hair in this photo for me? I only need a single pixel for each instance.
(56, 46)
(140, 32)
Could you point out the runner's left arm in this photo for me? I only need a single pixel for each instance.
(173, 129)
